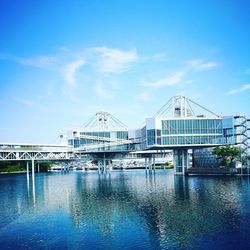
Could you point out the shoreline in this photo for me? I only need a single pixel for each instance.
(13, 172)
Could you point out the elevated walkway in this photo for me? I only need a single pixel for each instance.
(24, 151)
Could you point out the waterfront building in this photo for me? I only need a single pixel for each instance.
(181, 125)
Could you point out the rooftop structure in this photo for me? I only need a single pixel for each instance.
(181, 123)
(103, 132)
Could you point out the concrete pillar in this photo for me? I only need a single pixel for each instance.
(110, 166)
(99, 166)
(33, 180)
(33, 170)
(28, 175)
(27, 169)
(104, 163)
(154, 162)
(150, 163)
(180, 161)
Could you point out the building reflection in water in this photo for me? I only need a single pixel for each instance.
(175, 208)
(167, 211)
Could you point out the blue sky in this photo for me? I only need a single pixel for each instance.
(62, 61)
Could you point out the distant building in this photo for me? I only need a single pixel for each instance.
(102, 133)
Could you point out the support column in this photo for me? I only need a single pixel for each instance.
(180, 161)
(33, 170)
(104, 164)
(33, 180)
(154, 162)
(28, 175)
(99, 166)
(146, 164)
(111, 166)
(27, 169)
(38, 167)
(150, 163)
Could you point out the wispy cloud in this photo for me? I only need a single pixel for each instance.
(69, 92)
(242, 88)
(23, 101)
(113, 60)
(171, 80)
(160, 57)
(39, 61)
(70, 71)
(178, 77)
(68, 64)
(102, 91)
(145, 96)
(201, 64)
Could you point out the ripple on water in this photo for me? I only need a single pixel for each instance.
(124, 210)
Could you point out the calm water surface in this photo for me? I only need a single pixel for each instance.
(124, 210)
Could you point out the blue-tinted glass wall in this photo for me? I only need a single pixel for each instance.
(191, 131)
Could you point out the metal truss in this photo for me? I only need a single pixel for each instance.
(181, 106)
(104, 121)
(25, 152)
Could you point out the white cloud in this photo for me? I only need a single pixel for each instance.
(201, 64)
(179, 76)
(243, 88)
(70, 70)
(69, 92)
(23, 101)
(113, 60)
(39, 62)
(102, 91)
(171, 80)
(145, 96)
(160, 57)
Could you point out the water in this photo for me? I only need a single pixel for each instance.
(124, 210)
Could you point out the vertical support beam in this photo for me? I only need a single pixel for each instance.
(154, 161)
(28, 175)
(150, 163)
(104, 163)
(180, 161)
(183, 162)
(33, 180)
(27, 169)
(109, 166)
(38, 167)
(33, 170)
(99, 166)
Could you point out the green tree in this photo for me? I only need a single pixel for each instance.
(227, 155)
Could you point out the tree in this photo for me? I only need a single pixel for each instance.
(227, 154)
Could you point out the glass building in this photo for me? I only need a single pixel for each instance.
(186, 132)
(177, 126)
(98, 140)
(102, 133)
(182, 130)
